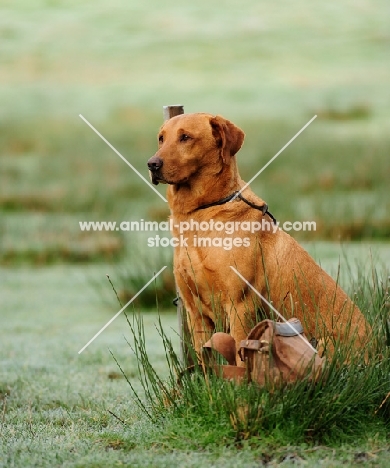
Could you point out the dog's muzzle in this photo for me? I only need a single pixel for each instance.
(155, 164)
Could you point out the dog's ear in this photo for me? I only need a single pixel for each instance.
(229, 138)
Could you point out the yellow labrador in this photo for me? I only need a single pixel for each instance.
(214, 231)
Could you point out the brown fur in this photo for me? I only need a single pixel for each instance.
(201, 168)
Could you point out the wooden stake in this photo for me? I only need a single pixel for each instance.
(172, 111)
(185, 336)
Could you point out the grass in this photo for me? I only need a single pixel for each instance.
(348, 402)
(269, 68)
(331, 179)
(265, 59)
(54, 402)
(56, 406)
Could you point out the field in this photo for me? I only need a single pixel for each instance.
(269, 67)
(58, 407)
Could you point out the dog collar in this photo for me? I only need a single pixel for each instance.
(237, 194)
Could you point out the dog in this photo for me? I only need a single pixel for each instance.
(196, 157)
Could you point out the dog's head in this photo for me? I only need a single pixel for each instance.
(192, 144)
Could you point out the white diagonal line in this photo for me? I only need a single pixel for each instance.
(273, 308)
(272, 159)
(123, 308)
(123, 158)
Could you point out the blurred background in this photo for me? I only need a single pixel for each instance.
(267, 66)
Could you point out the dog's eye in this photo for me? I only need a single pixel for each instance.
(160, 139)
(184, 137)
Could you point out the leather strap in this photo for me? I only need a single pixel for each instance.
(263, 209)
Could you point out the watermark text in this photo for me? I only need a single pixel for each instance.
(199, 233)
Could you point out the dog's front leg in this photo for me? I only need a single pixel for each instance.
(201, 328)
(241, 321)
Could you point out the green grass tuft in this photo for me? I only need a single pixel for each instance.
(348, 403)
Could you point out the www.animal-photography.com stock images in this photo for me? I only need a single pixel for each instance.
(194, 233)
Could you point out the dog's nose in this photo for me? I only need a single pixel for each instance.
(155, 163)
